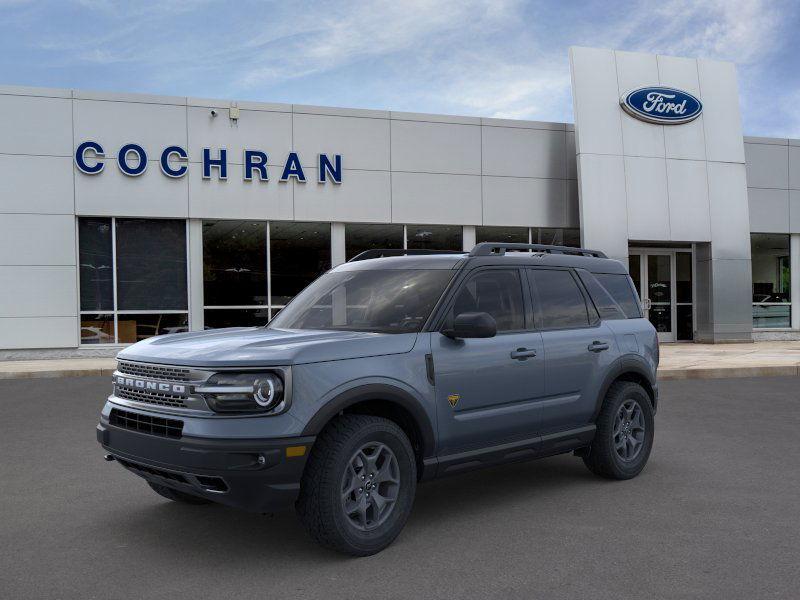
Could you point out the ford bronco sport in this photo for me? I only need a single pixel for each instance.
(395, 367)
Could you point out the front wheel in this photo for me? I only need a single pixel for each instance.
(624, 434)
(359, 485)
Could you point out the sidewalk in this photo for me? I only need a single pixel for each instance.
(678, 361)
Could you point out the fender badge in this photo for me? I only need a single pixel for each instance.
(453, 399)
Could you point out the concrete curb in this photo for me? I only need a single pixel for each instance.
(42, 372)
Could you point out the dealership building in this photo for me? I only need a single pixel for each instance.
(124, 216)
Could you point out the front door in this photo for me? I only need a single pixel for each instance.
(487, 390)
(663, 279)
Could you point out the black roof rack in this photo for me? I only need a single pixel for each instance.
(488, 248)
(384, 252)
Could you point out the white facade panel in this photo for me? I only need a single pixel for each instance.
(794, 211)
(686, 141)
(648, 206)
(38, 332)
(729, 209)
(114, 124)
(767, 166)
(569, 154)
(528, 202)
(434, 198)
(603, 201)
(38, 291)
(594, 84)
(722, 120)
(365, 199)
(690, 217)
(27, 239)
(635, 70)
(36, 184)
(363, 143)
(35, 125)
(114, 194)
(237, 199)
(794, 167)
(436, 148)
(269, 132)
(519, 152)
(769, 210)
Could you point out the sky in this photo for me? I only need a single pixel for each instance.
(492, 58)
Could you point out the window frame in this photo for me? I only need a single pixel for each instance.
(593, 319)
(458, 283)
(116, 312)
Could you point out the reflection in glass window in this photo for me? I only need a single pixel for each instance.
(381, 301)
(361, 237)
(136, 327)
(251, 317)
(771, 280)
(508, 235)
(151, 264)
(235, 263)
(496, 292)
(97, 329)
(556, 236)
(435, 237)
(561, 303)
(299, 253)
(96, 265)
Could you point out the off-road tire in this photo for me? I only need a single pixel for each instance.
(602, 458)
(319, 505)
(177, 496)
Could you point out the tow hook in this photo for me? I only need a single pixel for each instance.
(109, 457)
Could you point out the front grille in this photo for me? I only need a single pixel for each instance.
(160, 398)
(171, 428)
(154, 371)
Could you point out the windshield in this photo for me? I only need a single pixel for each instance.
(390, 301)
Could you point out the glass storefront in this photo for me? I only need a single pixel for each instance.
(435, 237)
(359, 237)
(555, 236)
(132, 279)
(769, 253)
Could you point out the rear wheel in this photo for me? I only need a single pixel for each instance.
(359, 484)
(624, 435)
(177, 496)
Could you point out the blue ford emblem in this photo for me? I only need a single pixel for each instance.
(663, 105)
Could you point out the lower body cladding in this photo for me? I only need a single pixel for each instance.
(257, 475)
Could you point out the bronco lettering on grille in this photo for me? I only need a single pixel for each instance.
(155, 386)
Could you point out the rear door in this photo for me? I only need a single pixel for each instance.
(487, 389)
(578, 348)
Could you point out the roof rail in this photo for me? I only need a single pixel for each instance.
(385, 252)
(488, 248)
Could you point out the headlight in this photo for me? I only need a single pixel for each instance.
(243, 392)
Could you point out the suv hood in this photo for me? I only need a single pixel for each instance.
(259, 346)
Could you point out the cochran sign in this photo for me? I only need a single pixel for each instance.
(663, 105)
(132, 161)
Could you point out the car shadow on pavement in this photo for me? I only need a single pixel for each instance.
(204, 533)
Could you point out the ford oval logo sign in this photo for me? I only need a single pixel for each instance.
(662, 105)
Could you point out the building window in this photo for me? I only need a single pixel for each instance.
(251, 269)
(771, 280)
(434, 237)
(509, 235)
(132, 279)
(359, 238)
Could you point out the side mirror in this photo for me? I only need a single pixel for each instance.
(472, 325)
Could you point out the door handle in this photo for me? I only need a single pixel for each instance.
(522, 353)
(598, 346)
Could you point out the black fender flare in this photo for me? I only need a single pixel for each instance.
(376, 391)
(631, 363)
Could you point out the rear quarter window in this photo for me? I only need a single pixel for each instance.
(621, 289)
(606, 306)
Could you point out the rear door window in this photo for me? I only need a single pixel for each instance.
(621, 289)
(560, 301)
(608, 308)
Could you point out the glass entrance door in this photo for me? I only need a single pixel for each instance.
(663, 279)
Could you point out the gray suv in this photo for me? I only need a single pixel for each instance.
(395, 367)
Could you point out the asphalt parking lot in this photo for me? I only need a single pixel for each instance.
(716, 514)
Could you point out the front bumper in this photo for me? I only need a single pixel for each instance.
(256, 475)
